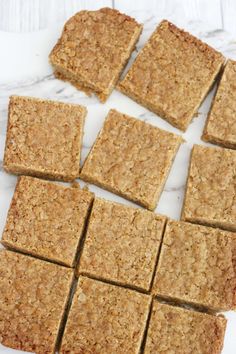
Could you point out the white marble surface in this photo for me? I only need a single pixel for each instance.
(24, 70)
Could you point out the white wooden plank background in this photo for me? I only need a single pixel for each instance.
(209, 11)
(229, 15)
(33, 15)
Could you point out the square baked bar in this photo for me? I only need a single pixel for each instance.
(94, 48)
(122, 244)
(47, 220)
(34, 295)
(105, 319)
(210, 197)
(181, 331)
(220, 127)
(44, 138)
(131, 158)
(172, 74)
(197, 266)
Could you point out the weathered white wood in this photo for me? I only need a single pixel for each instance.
(229, 15)
(33, 15)
(208, 12)
(63, 9)
(178, 11)
(144, 10)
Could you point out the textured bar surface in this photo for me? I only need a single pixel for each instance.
(220, 128)
(33, 296)
(122, 244)
(47, 220)
(94, 48)
(44, 138)
(131, 158)
(179, 331)
(105, 319)
(197, 266)
(172, 74)
(210, 197)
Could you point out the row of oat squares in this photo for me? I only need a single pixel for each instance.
(132, 264)
(129, 157)
(171, 75)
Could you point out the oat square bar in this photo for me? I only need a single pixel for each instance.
(105, 319)
(34, 295)
(131, 158)
(94, 48)
(197, 266)
(220, 127)
(47, 220)
(177, 330)
(172, 74)
(44, 138)
(122, 244)
(210, 196)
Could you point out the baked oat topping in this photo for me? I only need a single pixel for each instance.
(220, 128)
(122, 244)
(94, 48)
(197, 266)
(105, 319)
(44, 138)
(131, 158)
(210, 197)
(33, 297)
(47, 220)
(177, 330)
(172, 74)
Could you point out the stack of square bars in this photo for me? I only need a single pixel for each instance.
(85, 275)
